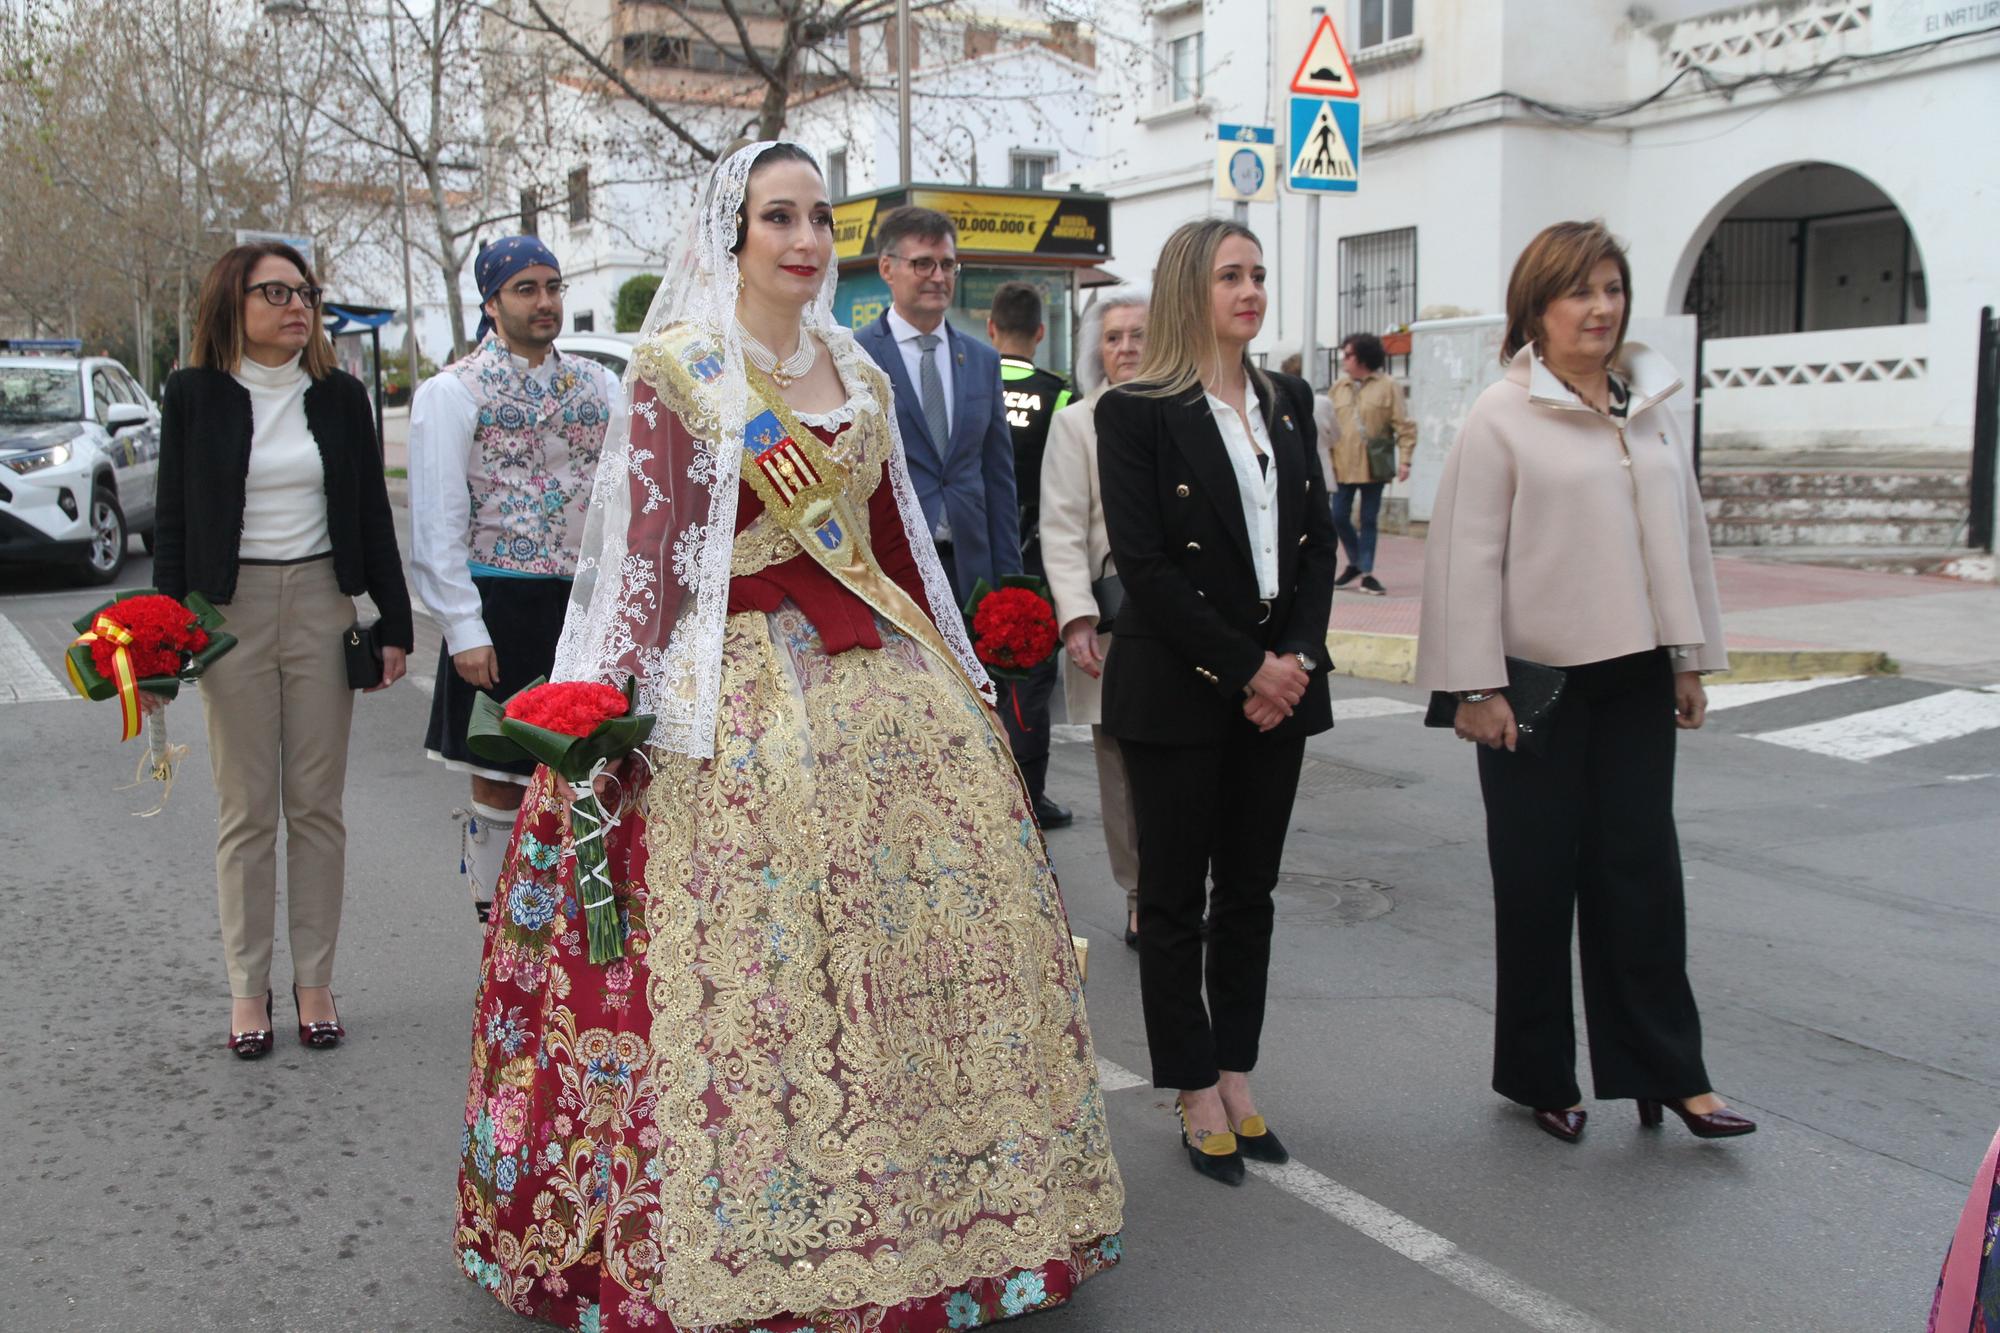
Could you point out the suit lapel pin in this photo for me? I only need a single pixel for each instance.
(1287, 420)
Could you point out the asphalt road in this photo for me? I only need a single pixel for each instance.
(1844, 932)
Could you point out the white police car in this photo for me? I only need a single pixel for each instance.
(79, 457)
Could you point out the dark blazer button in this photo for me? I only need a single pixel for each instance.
(1194, 548)
(1302, 539)
(1181, 490)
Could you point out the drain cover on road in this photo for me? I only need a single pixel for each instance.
(1337, 902)
(1319, 776)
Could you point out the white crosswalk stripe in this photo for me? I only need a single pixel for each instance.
(1757, 692)
(24, 677)
(1879, 731)
(1352, 710)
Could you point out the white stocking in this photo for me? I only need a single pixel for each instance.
(483, 849)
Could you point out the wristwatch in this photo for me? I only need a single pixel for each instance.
(1475, 696)
(1306, 664)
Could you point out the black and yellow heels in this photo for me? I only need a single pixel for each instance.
(1214, 1154)
(1255, 1141)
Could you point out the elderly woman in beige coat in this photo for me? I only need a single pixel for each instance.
(1568, 531)
(1076, 555)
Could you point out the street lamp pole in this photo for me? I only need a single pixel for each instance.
(972, 140)
(903, 92)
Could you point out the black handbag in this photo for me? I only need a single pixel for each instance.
(1109, 594)
(363, 646)
(1533, 691)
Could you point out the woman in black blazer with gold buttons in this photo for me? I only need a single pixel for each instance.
(1220, 531)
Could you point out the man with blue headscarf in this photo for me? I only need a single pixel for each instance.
(503, 451)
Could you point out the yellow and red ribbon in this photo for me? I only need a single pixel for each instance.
(122, 673)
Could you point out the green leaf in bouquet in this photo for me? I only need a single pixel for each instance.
(979, 591)
(485, 734)
(205, 614)
(554, 748)
(218, 644)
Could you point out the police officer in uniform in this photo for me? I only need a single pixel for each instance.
(1033, 397)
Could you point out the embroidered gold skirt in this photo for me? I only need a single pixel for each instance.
(843, 1078)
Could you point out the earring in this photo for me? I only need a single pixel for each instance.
(739, 284)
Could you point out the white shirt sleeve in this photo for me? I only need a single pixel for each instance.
(443, 417)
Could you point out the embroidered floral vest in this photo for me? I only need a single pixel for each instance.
(534, 456)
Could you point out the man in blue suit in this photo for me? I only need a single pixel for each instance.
(948, 402)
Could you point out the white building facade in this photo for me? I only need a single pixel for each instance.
(1813, 180)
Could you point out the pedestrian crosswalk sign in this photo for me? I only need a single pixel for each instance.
(1325, 146)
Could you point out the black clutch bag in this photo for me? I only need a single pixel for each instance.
(1533, 691)
(363, 646)
(1109, 594)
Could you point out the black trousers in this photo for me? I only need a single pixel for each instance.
(1024, 712)
(1217, 811)
(1585, 833)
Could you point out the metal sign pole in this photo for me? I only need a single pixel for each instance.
(1241, 214)
(1309, 351)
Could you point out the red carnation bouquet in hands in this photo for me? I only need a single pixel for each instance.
(578, 729)
(145, 643)
(1013, 625)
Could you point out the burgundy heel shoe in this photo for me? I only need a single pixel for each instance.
(1723, 1124)
(322, 1036)
(256, 1043)
(1564, 1125)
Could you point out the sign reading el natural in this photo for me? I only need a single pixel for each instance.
(1325, 120)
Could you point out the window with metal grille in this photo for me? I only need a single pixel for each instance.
(1030, 169)
(579, 195)
(1384, 21)
(1378, 281)
(836, 174)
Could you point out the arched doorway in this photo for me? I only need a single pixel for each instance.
(1806, 248)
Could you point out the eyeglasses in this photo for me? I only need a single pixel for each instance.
(923, 265)
(528, 291)
(281, 294)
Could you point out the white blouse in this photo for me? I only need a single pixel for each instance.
(284, 491)
(1257, 487)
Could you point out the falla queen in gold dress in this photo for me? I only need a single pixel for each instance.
(842, 1078)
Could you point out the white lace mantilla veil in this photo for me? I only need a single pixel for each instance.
(651, 596)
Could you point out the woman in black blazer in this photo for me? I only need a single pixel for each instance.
(272, 503)
(1220, 531)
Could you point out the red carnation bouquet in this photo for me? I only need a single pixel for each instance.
(578, 729)
(1013, 625)
(145, 642)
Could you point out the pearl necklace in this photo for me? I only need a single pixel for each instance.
(783, 373)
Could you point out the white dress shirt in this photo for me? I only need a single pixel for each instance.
(443, 418)
(906, 335)
(284, 490)
(1258, 487)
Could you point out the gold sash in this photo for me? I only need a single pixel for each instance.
(803, 489)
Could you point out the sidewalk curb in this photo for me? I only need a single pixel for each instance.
(1393, 658)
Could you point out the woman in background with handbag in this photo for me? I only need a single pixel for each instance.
(1076, 556)
(1568, 533)
(1373, 441)
(272, 503)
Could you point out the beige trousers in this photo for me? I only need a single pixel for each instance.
(1121, 833)
(278, 715)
